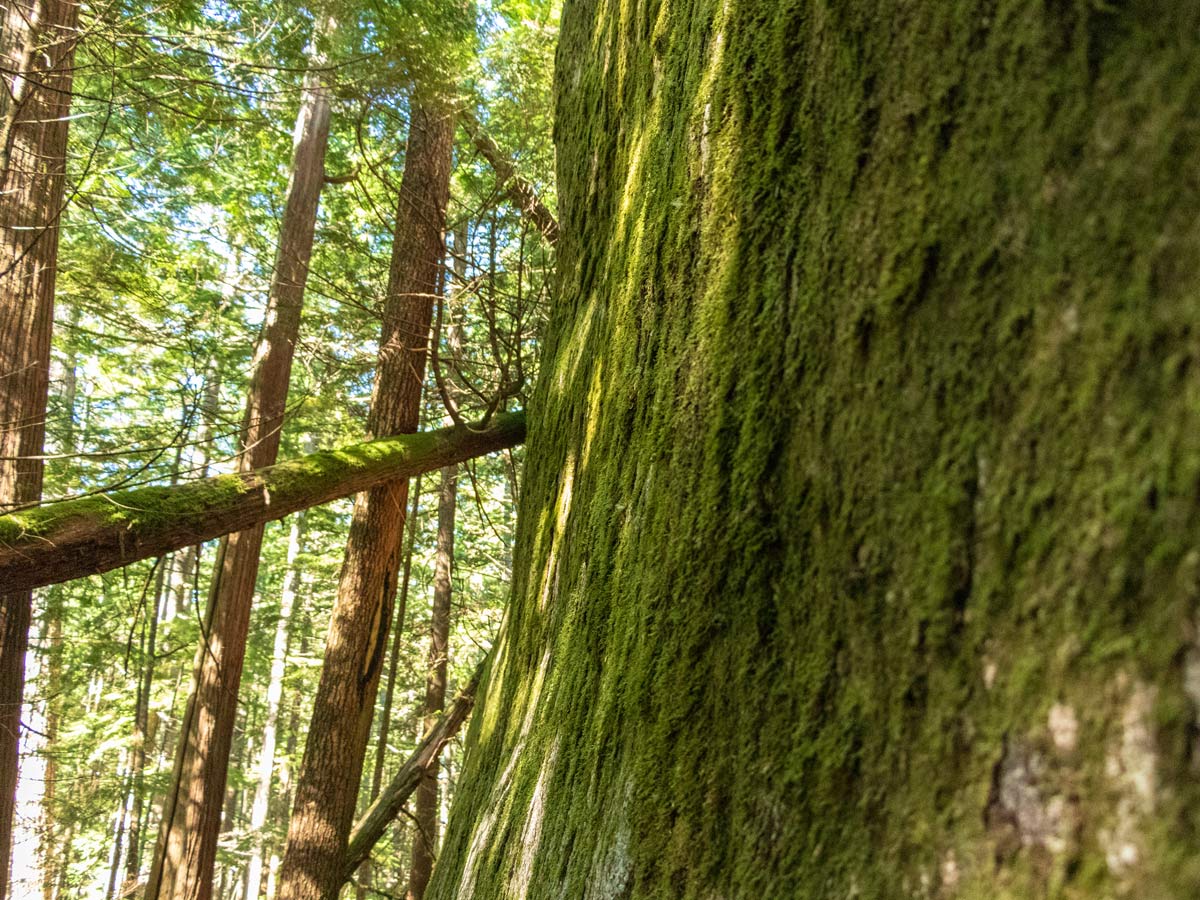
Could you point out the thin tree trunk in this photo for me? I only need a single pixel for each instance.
(63, 875)
(283, 801)
(48, 847)
(122, 818)
(426, 819)
(266, 756)
(328, 781)
(37, 46)
(191, 822)
(385, 721)
(141, 732)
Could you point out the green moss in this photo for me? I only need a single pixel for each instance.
(873, 388)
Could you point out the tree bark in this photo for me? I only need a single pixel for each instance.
(328, 781)
(191, 823)
(425, 821)
(383, 811)
(858, 556)
(37, 47)
(61, 541)
(266, 754)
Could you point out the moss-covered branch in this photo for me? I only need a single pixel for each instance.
(375, 821)
(61, 541)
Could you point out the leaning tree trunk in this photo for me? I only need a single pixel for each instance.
(519, 190)
(425, 821)
(187, 841)
(858, 539)
(328, 780)
(403, 784)
(37, 49)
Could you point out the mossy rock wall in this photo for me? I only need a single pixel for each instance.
(859, 550)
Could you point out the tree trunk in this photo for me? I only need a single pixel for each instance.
(48, 839)
(48, 842)
(328, 781)
(122, 820)
(188, 841)
(266, 754)
(425, 821)
(37, 47)
(385, 720)
(81, 537)
(283, 802)
(141, 729)
(858, 551)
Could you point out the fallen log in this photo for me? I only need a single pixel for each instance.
(70, 539)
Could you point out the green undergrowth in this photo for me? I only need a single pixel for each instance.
(858, 550)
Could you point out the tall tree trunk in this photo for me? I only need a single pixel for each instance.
(266, 754)
(48, 845)
(141, 730)
(389, 691)
(425, 838)
(328, 781)
(62, 875)
(283, 802)
(191, 822)
(118, 839)
(37, 48)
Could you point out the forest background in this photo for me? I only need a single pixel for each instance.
(177, 168)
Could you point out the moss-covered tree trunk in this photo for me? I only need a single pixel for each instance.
(858, 546)
(69, 539)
